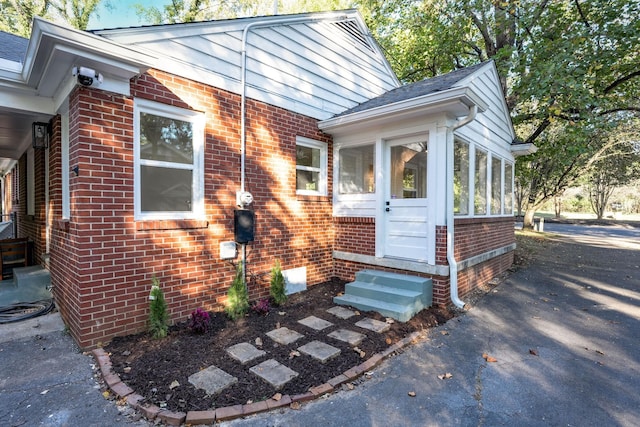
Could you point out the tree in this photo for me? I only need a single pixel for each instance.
(201, 10)
(569, 68)
(619, 165)
(16, 16)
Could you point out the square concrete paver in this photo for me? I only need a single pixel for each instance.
(373, 325)
(315, 323)
(284, 335)
(274, 373)
(244, 352)
(341, 312)
(319, 350)
(212, 380)
(351, 337)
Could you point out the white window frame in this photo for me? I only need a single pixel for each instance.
(64, 153)
(312, 143)
(197, 119)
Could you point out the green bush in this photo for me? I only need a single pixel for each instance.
(277, 289)
(158, 315)
(237, 297)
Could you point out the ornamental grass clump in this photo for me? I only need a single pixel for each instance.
(158, 314)
(237, 297)
(277, 288)
(199, 321)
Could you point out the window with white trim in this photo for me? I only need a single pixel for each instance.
(311, 167)
(169, 172)
(480, 196)
(508, 188)
(496, 185)
(460, 178)
(356, 170)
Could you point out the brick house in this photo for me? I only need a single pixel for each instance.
(155, 137)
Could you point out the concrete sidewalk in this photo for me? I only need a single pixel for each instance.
(563, 332)
(564, 335)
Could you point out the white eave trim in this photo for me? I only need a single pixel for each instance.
(462, 95)
(523, 149)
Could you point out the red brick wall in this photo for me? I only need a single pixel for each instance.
(472, 236)
(112, 258)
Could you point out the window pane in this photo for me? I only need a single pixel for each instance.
(307, 180)
(409, 171)
(356, 170)
(496, 186)
(307, 156)
(480, 196)
(165, 139)
(166, 189)
(461, 178)
(508, 188)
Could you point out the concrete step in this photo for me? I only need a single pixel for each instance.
(380, 292)
(29, 284)
(400, 281)
(399, 312)
(33, 275)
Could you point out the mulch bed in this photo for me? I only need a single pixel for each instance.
(159, 369)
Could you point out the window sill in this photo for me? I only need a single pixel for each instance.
(178, 224)
(61, 224)
(312, 198)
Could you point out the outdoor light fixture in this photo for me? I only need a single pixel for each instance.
(40, 133)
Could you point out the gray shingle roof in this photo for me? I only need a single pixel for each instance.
(416, 90)
(12, 47)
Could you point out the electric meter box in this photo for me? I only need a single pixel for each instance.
(244, 225)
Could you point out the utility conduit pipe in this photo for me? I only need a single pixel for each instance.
(451, 258)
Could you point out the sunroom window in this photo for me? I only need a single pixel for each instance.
(311, 167)
(496, 186)
(480, 197)
(461, 178)
(508, 188)
(356, 170)
(168, 154)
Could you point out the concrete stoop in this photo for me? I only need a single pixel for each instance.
(398, 296)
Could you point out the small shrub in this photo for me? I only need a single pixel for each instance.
(158, 315)
(237, 297)
(200, 321)
(277, 289)
(261, 306)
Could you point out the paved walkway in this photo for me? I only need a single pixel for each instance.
(554, 345)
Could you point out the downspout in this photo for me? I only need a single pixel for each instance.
(451, 258)
(243, 94)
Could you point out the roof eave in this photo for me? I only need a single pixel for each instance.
(522, 149)
(455, 101)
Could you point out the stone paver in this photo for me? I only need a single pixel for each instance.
(319, 350)
(244, 352)
(284, 335)
(316, 323)
(341, 312)
(274, 373)
(212, 380)
(373, 325)
(351, 337)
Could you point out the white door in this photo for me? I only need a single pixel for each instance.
(405, 207)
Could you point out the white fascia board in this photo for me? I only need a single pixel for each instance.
(523, 149)
(450, 97)
(26, 102)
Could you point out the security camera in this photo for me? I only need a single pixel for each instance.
(86, 76)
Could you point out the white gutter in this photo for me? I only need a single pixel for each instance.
(453, 263)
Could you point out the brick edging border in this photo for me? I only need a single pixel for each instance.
(152, 412)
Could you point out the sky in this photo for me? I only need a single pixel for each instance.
(122, 14)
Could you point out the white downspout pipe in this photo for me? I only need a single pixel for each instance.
(243, 94)
(451, 258)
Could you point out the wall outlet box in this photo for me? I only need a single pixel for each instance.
(228, 250)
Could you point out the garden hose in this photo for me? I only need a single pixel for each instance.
(25, 310)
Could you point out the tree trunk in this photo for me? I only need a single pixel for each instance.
(528, 218)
